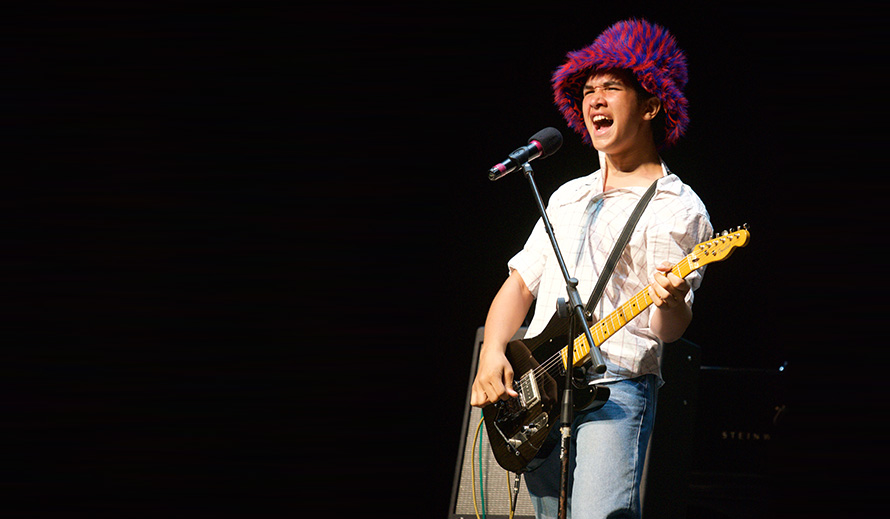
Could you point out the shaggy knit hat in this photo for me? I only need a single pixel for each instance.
(649, 51)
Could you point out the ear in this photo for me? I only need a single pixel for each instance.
(651, 107)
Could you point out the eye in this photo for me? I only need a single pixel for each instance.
(605, 88)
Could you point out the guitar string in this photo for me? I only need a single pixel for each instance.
(556, 359)
(641, 299)
(696, 254)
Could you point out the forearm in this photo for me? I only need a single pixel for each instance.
(494, 375)
(669, 324)
(507, 312)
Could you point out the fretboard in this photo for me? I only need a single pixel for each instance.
(607, 326)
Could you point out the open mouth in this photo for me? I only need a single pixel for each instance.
(601, 123)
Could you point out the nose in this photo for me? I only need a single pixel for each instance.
(595, 96)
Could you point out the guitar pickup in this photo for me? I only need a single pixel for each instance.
(529, 395)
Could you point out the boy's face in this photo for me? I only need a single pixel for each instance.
(614, 115)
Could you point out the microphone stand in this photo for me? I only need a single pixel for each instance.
(575, 310)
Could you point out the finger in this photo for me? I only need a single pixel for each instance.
(661, 281)
(674, 286)
(509, 391)
(663, 268)
(494, 391)
(657, 300)
(478, 398)
(508, 384)
(676, 281)
(679, 289)
(661, 297)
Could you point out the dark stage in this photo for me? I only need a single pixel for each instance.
(248, 245)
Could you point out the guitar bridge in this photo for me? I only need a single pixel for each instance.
(526, 432)
(514, 411)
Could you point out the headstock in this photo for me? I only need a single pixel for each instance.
(720, 246)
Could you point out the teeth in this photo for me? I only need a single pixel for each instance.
(600, 118)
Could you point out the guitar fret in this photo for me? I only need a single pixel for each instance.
(622, 315)
(606, 327)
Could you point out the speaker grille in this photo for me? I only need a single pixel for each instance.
(496, 486)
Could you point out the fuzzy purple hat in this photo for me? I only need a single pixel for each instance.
(649, 51)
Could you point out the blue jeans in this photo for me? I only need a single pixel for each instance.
(607, 453)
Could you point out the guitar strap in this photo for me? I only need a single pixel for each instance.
(619, 246)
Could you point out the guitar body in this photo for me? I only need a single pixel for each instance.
(518, 428)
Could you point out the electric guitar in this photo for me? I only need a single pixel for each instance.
(518, 427)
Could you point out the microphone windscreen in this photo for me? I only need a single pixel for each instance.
(550, 140)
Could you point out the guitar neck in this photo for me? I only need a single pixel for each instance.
(607, 326)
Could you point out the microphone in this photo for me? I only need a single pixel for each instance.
(542, 144)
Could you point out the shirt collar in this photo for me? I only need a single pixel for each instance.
(592, 185)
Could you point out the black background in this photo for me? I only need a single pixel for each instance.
(247, 246)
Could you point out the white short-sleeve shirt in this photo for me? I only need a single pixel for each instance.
(587, 222)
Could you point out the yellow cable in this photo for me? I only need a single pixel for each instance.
(473, 466)
(510, 494)
(473, 478)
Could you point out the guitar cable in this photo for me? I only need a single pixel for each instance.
(473, 468)
(513, 496)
